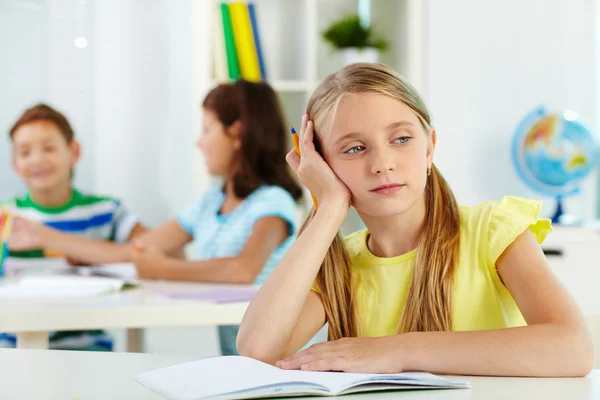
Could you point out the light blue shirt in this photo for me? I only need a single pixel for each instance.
(217, 236)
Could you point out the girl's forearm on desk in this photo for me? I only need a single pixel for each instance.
(274, 312)
(536, 350)
(217, 270)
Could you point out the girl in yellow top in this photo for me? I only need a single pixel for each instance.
(428, 285)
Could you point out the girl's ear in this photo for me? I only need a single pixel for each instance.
(235, 131)
(431, 147)
(75, 152)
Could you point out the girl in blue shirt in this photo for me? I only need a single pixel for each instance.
(242, 228)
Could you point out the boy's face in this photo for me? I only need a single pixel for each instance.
(42, 157)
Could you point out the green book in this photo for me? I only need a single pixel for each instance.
(232, 60)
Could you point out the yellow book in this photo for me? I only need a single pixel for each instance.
(244, 41)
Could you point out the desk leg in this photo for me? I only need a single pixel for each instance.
(32, 340)
(135, 340)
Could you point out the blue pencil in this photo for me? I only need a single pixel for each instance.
(257, 42)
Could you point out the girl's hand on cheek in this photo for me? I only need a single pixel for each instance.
(315, 173)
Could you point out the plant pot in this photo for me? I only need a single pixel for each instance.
(353, 55)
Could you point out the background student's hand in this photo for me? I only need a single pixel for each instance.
(378, 355)
(315, 173)
(148, 263)
(77, 262)
(28, 234)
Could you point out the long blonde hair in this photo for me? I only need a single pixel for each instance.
(428, 305)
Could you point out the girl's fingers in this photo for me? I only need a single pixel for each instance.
(305, 359)
(311, 358)
(297, 363)
(303, 126)
(319, 348)
(314, 349)
(302, 129)
(293, 160)
(327, 364)
(306, 141)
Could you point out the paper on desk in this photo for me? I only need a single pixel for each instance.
(14, 264)
(217, 295)
(60, 286)
(41, 293)
(124, 271)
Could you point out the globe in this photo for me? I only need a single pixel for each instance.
(553, 152)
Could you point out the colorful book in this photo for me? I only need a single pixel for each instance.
(220, 67)
(257, 42)
(6, 221)
(230, 46)
(3, 256)
(244, 41)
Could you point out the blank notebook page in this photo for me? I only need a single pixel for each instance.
(204, 379)
(220, 375)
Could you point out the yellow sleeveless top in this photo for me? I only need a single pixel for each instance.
(480, 300)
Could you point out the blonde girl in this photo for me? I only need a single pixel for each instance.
(428, 285)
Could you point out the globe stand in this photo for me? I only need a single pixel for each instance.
(559, 210)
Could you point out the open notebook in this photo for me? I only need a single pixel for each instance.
(123, 271)
(235, 377)
(61, 286)
(19, 266)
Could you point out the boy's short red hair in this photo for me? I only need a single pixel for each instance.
(43, 112)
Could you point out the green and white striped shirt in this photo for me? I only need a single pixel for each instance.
(94, 217)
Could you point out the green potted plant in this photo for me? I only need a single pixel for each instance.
(355, 41)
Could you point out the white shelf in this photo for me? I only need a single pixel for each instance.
(293, 86)
(297, 58)
(286, 86)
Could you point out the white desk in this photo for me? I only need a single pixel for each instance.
(35, 374)
(572, 254)
(132, 309)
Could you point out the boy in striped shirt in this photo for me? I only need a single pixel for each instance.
(86, 229)
(54, 216)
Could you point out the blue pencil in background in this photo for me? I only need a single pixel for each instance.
(257, 42)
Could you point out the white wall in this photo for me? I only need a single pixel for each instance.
(40, 63)
(146, 109)
(489, 63)
(22, 41)
(130, 94)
